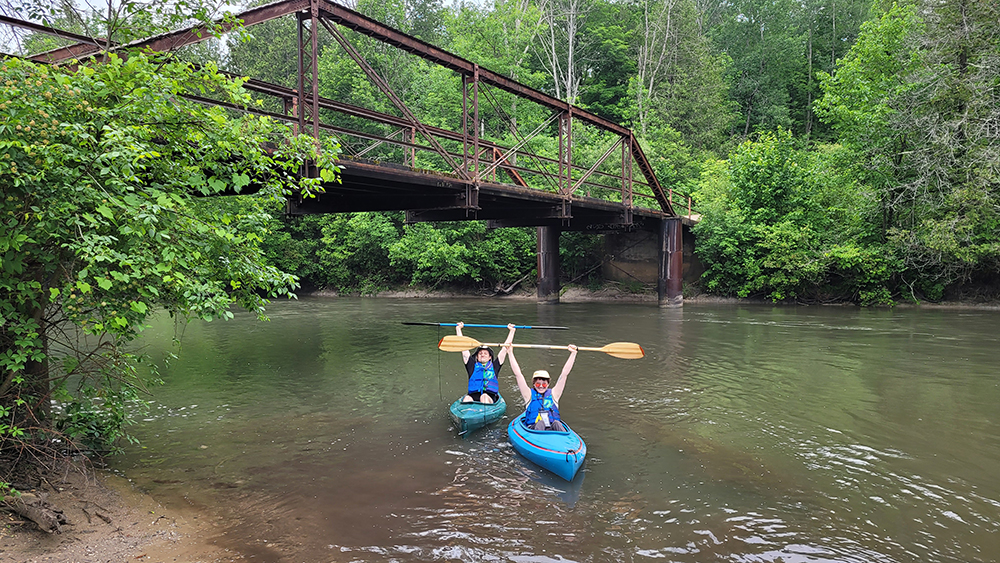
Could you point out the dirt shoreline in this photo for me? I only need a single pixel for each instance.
(613, 295)
(111, 521)
(108, 520)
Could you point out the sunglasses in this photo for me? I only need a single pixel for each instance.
(545, 381)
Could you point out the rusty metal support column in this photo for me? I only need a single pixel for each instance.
(300, 82)
(569, 148)
(314, 44)
(475, 121)
(465, 124)
(668, 284)
(548, 264)
(562, 127)
(290, 106)
(627, 177)
(308, 62)
(413, 151)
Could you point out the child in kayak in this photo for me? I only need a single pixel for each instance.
(483, 369)
(541, 402)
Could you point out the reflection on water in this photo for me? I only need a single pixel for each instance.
(746, 434)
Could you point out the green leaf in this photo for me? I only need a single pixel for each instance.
(105, 211)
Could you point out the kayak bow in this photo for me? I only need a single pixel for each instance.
(472, 416)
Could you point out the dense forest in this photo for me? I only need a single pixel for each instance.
(836, 150)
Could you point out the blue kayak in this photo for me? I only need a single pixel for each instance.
(560, 452)
(471, 416)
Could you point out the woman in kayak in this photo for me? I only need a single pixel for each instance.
(541, 402)
(483, 369)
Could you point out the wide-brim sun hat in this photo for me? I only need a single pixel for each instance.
(540, 374)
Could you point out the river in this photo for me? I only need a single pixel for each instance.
(748, 433)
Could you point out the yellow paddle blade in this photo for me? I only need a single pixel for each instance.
(456, 343)
(624, 350)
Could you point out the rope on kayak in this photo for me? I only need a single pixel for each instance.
(573, 452)
(440, 390)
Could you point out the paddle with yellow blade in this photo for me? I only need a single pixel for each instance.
(625, 350)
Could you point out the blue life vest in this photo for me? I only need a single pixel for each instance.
(484, 378)
(540, 403)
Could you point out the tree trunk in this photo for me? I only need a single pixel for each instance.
(37, 509)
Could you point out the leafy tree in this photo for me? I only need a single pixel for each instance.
(678, 81)
(764, 44)
(463, 253)
(354, 251)
(426, 18)
(759, 234)
(565, 51)
(831, 27)
(604, 89)
(101, 168)
(498, 36)
(914, 101)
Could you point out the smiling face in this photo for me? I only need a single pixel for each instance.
(540, 384)
(483, 356)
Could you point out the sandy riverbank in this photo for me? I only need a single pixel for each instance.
(110, 521)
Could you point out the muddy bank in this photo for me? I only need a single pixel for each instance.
(574, 294)
(107, 519)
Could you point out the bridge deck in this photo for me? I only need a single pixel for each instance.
(434, 196)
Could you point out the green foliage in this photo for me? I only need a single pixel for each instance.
(785, 224)
(432, 255)
(354, 250)
(369, 252)
(604, 91)
(95, 418)
(579, 256)
(102, 168)
(858, 99)
(466, 252)
(764, 45)
(909, 101)
(498, 37)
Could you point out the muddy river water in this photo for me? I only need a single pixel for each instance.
(746, 434)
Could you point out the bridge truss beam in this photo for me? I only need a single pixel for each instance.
(306, 104)
(470, 189)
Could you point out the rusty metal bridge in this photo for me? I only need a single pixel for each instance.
(399, 161)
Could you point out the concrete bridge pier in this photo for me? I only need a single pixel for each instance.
(671, 259)
(547, 250)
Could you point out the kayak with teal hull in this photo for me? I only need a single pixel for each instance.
(561, 453)
(472, 416)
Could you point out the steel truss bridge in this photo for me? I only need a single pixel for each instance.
(393, 159)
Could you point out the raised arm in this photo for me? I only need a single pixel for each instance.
(522, 385)
(557, 391)
(503, 348)
(465, 353)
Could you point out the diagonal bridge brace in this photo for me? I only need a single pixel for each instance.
(393, 97)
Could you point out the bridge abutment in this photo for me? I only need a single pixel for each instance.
(547, 250)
